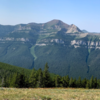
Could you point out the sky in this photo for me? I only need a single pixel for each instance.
(83, 13)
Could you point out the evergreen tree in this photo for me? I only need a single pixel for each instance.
(52, 81)
(88, 84)
(92, 82)
(58, 81)
(33, 79)
(61, 81)
(10, 79)
(6, 81)
(27, 81)
(40, 78)
(84, 81)
(22, 79)
(66, 81)
(79, 82)
(95, 83)
(74, 83)
(71, 82)
(14, 80)
(46, 76)
(2, 82)
(98, 83)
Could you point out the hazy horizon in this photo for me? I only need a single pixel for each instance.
(84, 14)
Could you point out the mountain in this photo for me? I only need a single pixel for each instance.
(85, 31)
(58, 25)
(66, 48)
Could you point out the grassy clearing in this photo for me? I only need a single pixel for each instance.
(33, 52)
(42, 37)
(49, 94)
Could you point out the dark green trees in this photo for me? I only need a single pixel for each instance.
(58, 81)
(42, 79)
(91, 82)
(71, 82)
(18, 80)
(46, 76)
(2, 82)
(14, 80)
(84, 82)
(66, 81)
(79, 83)
(33, 79)
(95, 83)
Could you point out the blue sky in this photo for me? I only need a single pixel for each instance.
(83, 13)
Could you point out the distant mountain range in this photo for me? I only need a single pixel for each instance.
(66, 48)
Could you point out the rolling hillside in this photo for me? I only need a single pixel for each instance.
(6, 70)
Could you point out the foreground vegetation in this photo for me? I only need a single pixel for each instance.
(20, 78)
(49, 94)
(23, 84)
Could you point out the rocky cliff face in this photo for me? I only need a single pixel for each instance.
(13, 39)
(58, 25)
(89, 44)
(73, 29)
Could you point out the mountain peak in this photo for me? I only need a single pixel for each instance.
(73, 29)
(55, 21)
(57, 24)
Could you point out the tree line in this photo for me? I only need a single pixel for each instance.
(42, 79)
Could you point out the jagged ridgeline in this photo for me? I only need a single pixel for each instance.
(67, 49)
